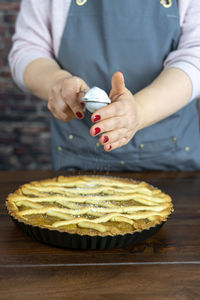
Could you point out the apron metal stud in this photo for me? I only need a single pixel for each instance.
(141, 146)
(187, 149)
(122, 162)
(81, 2)
(166, 3)
(97, 145)
(59, 148)
(71, 137)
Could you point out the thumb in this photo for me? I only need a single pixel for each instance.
(118, 85)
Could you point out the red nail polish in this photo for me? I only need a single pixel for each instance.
(110, 147)
(97, 118)
(97, 130)
(79, 115)
(83, 104)
(105, 139)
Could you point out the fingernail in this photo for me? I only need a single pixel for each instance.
(110, 147)
(97, 118)
(97, 130)
(121, 72)
(79, 115)
(83, 104)
(105, 139)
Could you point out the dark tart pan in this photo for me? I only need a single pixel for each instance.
(83, 242)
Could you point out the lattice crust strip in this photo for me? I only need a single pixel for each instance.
(91, 202)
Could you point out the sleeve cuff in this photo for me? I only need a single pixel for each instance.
(192, 72)
(21, 66)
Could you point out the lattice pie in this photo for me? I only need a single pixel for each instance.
(90, 205)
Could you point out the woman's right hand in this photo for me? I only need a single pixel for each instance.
(64, 100)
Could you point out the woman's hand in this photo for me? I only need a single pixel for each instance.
(119, 121)
(64, 99)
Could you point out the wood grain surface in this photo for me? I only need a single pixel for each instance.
(166, 266)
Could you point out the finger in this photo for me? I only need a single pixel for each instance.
(61, 115)
(80, 95)
(113, 136)
(69, 92)
(108, 125)
(116, 109)
(84, 88)
(58, 107)
(118, 85)
(108, 147)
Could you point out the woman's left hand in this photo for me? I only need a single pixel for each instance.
(119, 121)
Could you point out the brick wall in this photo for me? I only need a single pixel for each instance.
(24, 120)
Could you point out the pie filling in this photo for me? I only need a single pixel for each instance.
(93, 205)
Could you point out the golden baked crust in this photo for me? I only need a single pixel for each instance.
(92, 205)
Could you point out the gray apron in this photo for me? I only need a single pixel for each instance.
(133, 36)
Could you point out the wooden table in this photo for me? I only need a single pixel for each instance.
(166, 266)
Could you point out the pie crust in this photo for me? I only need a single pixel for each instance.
(90, 205)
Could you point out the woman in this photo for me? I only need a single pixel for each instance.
(62, 49)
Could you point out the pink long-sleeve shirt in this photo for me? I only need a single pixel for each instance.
(40, 26)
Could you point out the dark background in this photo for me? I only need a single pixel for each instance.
(24, 119)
